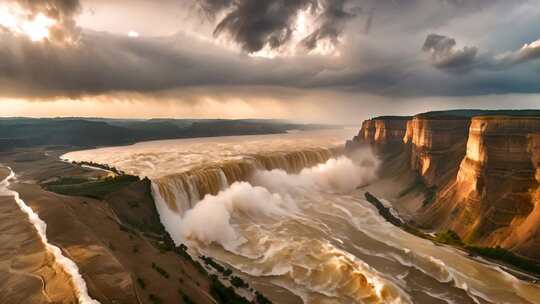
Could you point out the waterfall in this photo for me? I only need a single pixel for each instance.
(180, 192)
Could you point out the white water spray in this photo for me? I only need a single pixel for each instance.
(41, 227)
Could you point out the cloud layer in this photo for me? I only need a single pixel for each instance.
(446, 56)
(386, 48)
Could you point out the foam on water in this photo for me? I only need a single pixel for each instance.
(303, 229)
(41, 227)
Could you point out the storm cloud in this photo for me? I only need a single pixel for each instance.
(270, 23)
(395, 59)
(446, 56)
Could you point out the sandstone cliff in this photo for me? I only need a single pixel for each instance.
(437, 146)
(482, 168)
(383, 133)
(493, 197)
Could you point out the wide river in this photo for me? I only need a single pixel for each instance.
(301, 235)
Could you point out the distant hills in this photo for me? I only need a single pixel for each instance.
(91, 132)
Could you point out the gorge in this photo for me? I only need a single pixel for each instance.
(477, 170)
(287, 213)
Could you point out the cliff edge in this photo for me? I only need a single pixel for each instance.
(478, 172)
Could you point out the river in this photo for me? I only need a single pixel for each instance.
(285, 212)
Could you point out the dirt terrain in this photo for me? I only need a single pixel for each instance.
(119, 261)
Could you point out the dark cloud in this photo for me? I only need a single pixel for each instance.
(387, 62)
(270, 23)
(445, 55)
(331, 23)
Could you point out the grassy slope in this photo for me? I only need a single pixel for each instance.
(133, 210)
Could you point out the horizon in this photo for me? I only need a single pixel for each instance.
(307, 60)
(270, 151)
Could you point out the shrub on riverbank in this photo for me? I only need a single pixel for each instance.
(97, 189)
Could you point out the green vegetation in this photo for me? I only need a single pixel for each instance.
(449, 237)
(224, 294)
(91, 132)
(69, 180)
(209, 261)
(390, 117)
(96, 189)
(160, 270)
(506, 256)
(498, 253)
(101, 166)
(238, 282)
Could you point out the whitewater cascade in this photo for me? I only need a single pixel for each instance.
(183, 190)
(41, 227)
(296, 225)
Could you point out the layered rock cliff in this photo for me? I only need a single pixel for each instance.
(383, 133)
(493, 199)
(437, 146)
(482, 167)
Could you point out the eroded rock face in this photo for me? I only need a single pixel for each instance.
(494, 197)
(384, 134)
(484, 172)
(437, 146)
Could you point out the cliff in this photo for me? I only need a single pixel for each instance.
(384, 133)
(493, 199)
(479, 170)
(437, 146)
(432, 146)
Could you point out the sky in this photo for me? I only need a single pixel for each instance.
(331, 61)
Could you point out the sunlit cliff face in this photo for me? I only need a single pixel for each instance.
(18, 21)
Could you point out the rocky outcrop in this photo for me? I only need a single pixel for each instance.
(493, 198)
(433, 145)
(482, 168)
(384, 133)
(437, 146)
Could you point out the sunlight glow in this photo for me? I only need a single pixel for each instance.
(15, 20)
(133, 34)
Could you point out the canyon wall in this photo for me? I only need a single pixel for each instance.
(433, 146)
(493, 199)
(382, 133)
(437, 146)
(483, 172)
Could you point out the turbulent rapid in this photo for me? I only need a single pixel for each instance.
(285, 211)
